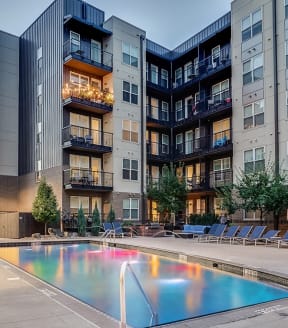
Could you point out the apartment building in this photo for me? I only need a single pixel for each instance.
(102, 109)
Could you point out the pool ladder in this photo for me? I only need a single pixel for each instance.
(154, 316)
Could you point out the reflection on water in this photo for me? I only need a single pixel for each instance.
(177, 290)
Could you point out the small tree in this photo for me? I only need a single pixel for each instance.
(81, 223)
(95, 221)
(111, 215)
(169, 193)
(45, 208)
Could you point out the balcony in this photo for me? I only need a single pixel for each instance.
(85, 139)
(217, 143)
(211, 106)
(158, 152)
(86, 179)
(197, 183)
(157, 117)
(88, 98)
(205, 68)
(82, 58)
(221, 178)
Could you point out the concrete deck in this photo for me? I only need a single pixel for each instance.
(28, 302)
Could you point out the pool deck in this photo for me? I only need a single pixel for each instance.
(28, 302)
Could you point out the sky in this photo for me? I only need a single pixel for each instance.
(166, 22)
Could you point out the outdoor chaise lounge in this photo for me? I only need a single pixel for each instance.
(256, 233)
(229, 234)
(267, 237)
(216, 230)
(119, 232)
(283, 240)
(243, 233)
(108, 229)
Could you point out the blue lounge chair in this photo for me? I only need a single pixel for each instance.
(283, 240)
(256, 233)
(211, 231)
(229, 234)
(108, 229)
(118, 230)
(267, 237)
(243, 233)
(218, 233)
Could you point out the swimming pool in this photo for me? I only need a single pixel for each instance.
(177, 290)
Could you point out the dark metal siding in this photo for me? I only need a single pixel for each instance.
(46, 31)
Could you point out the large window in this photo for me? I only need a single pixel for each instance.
(154, 74)
(130, 130)
(165, 144)
(254, 114)
(253, 69)
(179, 143)
(251, 25)
(130, 169)
(221, 173)
(179, 111)
(188, 72)
(178, 77)
(130, 54)
(79, 201)
(130, 92)
(220, 91)
(74, 41)
(286, 8)
(165, 111)
(188, 142)
(130, 209)
(254, 160)
(164, 78)
(79, 80)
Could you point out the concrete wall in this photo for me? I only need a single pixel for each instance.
(9, 82)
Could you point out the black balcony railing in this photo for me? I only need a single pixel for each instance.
(84, 53)
(157, 151)
(204, 144)
(221, 178)
(87, 179)
(77, 136)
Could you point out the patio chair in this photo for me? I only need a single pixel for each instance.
(118, 230)
(283, 240)
(243, 233)
(108, 229)
(267, 237)
(229, 234)
(218, 233)
(256, 233)
(211, 231)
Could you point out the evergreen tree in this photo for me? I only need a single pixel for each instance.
(95, 221)
(111, 215)
(44, 207)
(81, 223)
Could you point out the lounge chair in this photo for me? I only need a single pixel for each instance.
(118, 230)
(229, 234)
(218, 233)
(108, 229)
(267, 237)
(256, 233)
(283, 240)
(243, 233)
(211, 231)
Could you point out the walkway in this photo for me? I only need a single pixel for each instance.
(28, 302)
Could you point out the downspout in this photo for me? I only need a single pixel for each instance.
(276, 109)
(142, 134)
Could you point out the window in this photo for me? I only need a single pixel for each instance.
(188, 142)
(165, 144)
(39, 95)
(131, 209)
(221, 132)
(130, 54)
(154, 143)
(39, 58)
(130, 169)
(254, 160)
(286, 8)
(74, 41)
(253, 69)
(178, 77)
(179, 111)
(81, 81)
(251, 25)
(179, 143)
(96, 49)
(254, 114)
(39, 133)
(165, 111)
(188, 72)
(77, 201)
(215, 56)
(286, 52)
(130, 92)
(130, 130)
(196, 65)
(154, 74)
(164, 78)
(154, 108)
(220, 167)
(220, 91)
(189, 103)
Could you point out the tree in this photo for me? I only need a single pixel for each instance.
(95, 221)
(81, 223)
(169, 193)
(45, 208)
(263, 190)
(111, 215)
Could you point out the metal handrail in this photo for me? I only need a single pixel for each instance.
(154, 315)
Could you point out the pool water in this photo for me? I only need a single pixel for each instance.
(177, 290)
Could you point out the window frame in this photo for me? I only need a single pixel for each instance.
(253, 116)
(254, 160)
(253, 68)
(250, 29)
(129, 171)
(128, 95)
(132, 56)
(129, 209)
(130, 132)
